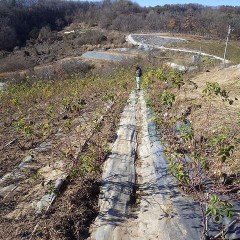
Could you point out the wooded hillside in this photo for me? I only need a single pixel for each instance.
(23, 19)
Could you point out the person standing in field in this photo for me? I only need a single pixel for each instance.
(138, 76)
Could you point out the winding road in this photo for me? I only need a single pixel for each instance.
(133, 39)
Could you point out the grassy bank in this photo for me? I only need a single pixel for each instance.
(214, 47)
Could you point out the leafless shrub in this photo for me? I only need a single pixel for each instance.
(108, 68)
(92, 37)
(7, 37)
(46, 72)
(75, 66)
(14, 63)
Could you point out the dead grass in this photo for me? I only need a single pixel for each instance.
(14, 62)
(229, 79)
(211, 119)
(36, 112)
(215, 115)
(214, 47)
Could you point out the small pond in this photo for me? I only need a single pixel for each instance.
(101, 55)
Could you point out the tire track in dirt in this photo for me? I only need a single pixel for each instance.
(139, 199)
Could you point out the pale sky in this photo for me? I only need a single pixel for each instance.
(148, 3)
(202, 2)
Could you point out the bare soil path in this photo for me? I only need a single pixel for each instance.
(139, 199)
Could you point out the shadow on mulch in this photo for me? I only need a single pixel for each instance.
(73, 213)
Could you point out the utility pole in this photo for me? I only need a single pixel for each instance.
(225, 51)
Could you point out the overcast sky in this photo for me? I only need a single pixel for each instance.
(203, 2)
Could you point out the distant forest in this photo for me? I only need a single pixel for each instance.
(21, 20)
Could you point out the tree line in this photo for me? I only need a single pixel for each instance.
(23, 19)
